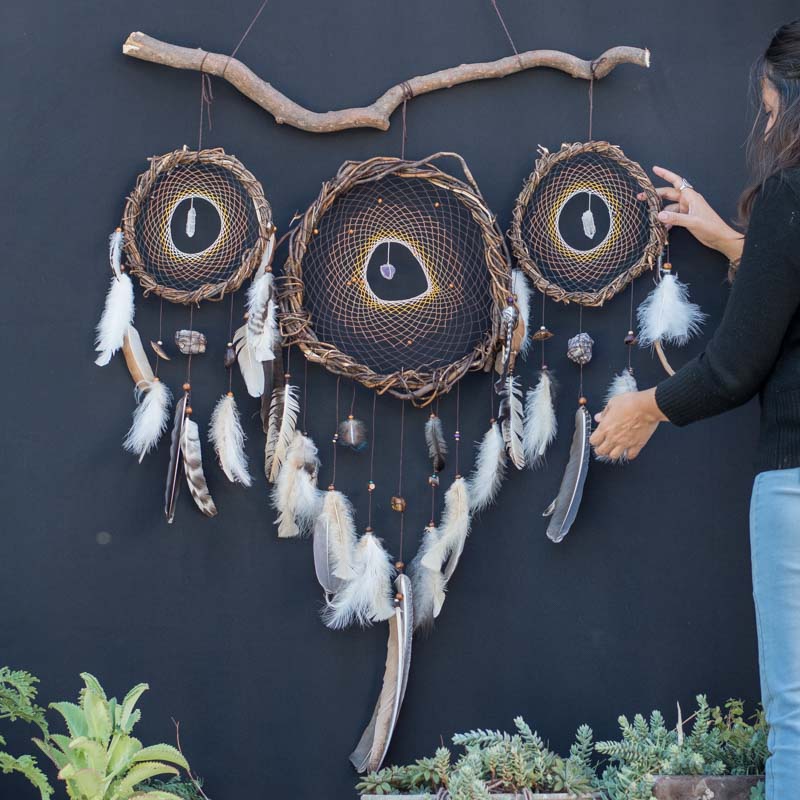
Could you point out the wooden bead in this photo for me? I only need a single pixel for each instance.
(582, 401)
(436, 204)
(666, 266)
(187, 386)
(398, 596)
(188, 411)
(315, 231)
(230, 394)
(380, 200)
(399, 565)
(156, 379)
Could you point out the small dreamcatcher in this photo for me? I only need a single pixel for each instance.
(397, 278)
(585, 225)
(195, 227)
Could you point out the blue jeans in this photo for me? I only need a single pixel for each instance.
(775, 551)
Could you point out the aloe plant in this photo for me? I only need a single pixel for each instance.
(99, 759)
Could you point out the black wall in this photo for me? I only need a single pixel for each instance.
(647, 601)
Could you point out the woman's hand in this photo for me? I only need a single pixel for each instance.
(626, 425)
(688, 209)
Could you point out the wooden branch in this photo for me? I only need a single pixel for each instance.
(376, 115)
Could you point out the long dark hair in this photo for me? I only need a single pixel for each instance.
(769, 152)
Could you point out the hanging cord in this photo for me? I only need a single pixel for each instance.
(505, 28)
(230, 344)
(580, 330)
(630, 327)
(591, 117)
(335, 439)
(544, 329)
(457, 434)
(434, 479)
(400, 479)
(305, 395)
(159, 341)
(371, 484)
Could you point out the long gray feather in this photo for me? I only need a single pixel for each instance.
(564, 509)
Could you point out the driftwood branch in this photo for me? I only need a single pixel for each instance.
(376, 115)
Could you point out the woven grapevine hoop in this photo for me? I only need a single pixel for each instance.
(596, 172)
(414, 347)
(243, 217)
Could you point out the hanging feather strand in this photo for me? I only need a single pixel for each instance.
(437, 445)
(540, 426)
(620, 384)
(226, 435)
(282, 423)
(117, 316)
(564, 509)
(512, 425)
(490, 469)
(522, 294)
(175, 461)
(150, 418)
(367, 597)
(295, 495)
(453, 530)
(371, 749)
(352, 434)
(667, 315)
(115, 252)
(334, 542)
(428, 584)
(262, 319)
(193, 468)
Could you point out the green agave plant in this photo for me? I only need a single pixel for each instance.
(99, 759)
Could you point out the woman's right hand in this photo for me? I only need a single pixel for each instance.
(688, 209)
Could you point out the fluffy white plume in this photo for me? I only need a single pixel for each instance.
(521, 290)
(453, 530)
(367, 597)
(540, 426)
(250, 367)
(490, 468)
(295, 495)
(117, 316)
(150, 418)
(281, 428)
(334, 542)
(115, 252)
(620, 384)
(262, 320)
(428, 585)
(512, 415)
(667, 315)
(227, 436)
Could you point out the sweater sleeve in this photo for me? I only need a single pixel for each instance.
(764, 298)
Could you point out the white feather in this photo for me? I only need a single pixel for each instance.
(540, 426)
(295, 495)
(262, 327)
(249, 365)
(667, 315)
(367, 597)
(490, 468)
(150, 418)
(191, 220)
(227, 436)
(117, 315)
(453, 530)
(513, 422)
(336, 518)
(115, 252)
(620, 384)
(278, 445)
(428, 585)
(522, 292)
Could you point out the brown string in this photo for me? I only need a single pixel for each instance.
(371, 461)
(160, 326)
(408, 94)
(230, 339)
(580, 330)
(335, 437)
(458, 427)
(505, 28)
(305, 395)
(189, 360)
(591, 100)
(400, 474)
(630, 325)
(206, 99)
(544, 298)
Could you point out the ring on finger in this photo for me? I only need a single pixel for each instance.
(685, 185)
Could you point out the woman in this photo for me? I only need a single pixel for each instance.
(755, 350)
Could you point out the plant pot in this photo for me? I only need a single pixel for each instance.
(705, 787)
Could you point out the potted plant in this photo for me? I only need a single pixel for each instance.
(494, 765)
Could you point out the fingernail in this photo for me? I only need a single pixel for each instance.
(663, 216)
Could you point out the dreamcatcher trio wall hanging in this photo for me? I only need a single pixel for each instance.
(397, 278)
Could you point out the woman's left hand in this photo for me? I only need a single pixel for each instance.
(626, 425)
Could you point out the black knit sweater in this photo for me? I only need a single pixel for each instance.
(756, 348)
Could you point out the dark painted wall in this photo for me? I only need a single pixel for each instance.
(646, 602)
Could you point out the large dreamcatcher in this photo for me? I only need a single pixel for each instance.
(585, 225)
(195, 227)
(397, 278)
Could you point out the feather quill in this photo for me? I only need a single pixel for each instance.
(175, 461)
(490, 469)
(226, 435)
(150, 418)
(453, 530)
(540, 426)
(295, 495)
(334, 542)
(428, 584)
(620, 384)
(115, 252)
(564, 509)
(371, 749)
(512, 425)
(117, 316)
(521, 291)
(667, 315)
(437, 445)
(283, 422)
(367, 596)
(193, 468)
